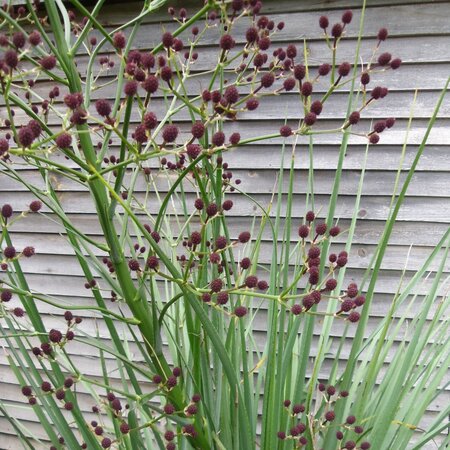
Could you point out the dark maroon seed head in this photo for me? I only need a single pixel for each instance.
(299, 72)
(26, 136)
(310, 216)
(337, 30)
(216, 285)
(64, 140)
(354, 117)
(130, 88)
(251, 281)
(26, 391)
(240, 311)
(321, 228)
(263, 285)
(296, 309)
(298, 408)
(227, 205)
(267, 80)
(344, 69)
(218, 139)
(48, 62)
(244, 237)
(339, 435)
(374, 138)
(9, 252)
(390, 122)
(396, 63)
(212, 209)
(347, 17)
(334, 231)
(310, 119)
(245, 263)
(307, 89)
(227, 42)
(252, 103)
(353, 317)
(365, 78)
(150, 84)
(365, 445)
(119, 40)
(11, 59)
(170, 133)
(7, 211)
(382, 34)
(324, 22)
(19, 39)
(222, 298)
(18, 312)
(150, 121)
(103, 107)
(303, 231)
(316, 107)
(384, 58)
(330, 416)
(198, 130)
(106, 442)
(28, 251)
(350, 445)
(285, 131)
(34, 38)
(291, 51)
(35, 206)
(330, 284)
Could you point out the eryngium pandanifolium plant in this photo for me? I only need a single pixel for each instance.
(180, 289)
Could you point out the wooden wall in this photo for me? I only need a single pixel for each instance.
(419, 34)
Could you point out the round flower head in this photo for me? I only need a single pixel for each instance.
(307, 89)
(245, 263)
(227, 42)
(330, 284)
(19, 39)
(291, 51)
(353, 317)
(130, 88)
(252, 103)
(28, 251)
(289, 84)
(222, 298)
(170, 133)
(354, 117)
(150, 121)
(198, 130)
(285, 131)
(55, 336)
(321, 228)
(251, 35)
(35, 205)
(316, 107)
(64, 140)
(396, 63)
(231, 94)
(240, 311)
(310, 119)
(103, 107)
(330, 416)
(140, 134)
(334, 231)
(251, 281)
(34, 38)
(365, 79)
(344, 69)
(382, 34)
(267, 80)
(167, 39)
(235, 138)
(390, 122)
(74, 101)
(212, 209)
(4, 146)
(374, 138)
(48, 62)
(303, 231)
(218, 139)
(26, 136)
(299, 72)
(337, 30)
(324, 22)
(6, 295)
(35, 127)
(150, 84)
(7, 211)
(193, 150)
(384, 58)
(347, 17)
(11, 59)
(106, 442)
(244, 237)
(119, 40)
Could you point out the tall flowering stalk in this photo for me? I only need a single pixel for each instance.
(170, 271)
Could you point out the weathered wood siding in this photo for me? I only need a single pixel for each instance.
(419, 33)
